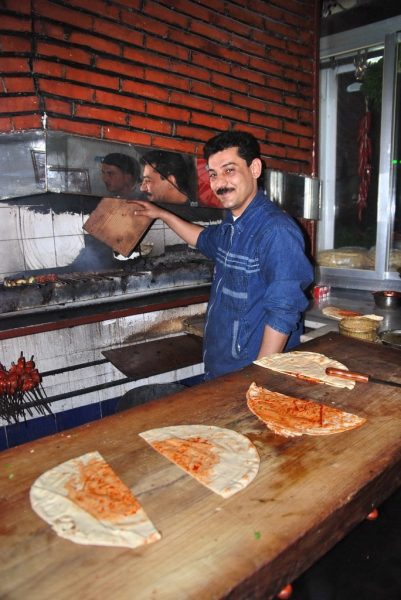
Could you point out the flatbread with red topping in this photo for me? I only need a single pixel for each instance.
(290, 417)
(341, 313)
(86, 502)
(221, 459)
(308, 366)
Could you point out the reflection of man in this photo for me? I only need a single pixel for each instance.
(120, 174)
(165, 177)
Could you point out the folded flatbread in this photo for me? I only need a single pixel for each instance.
(292, 417)
(309, 366)
(341, 313)
(85, 501)
(221, 459)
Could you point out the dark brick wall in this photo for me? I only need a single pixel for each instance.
(164, 74)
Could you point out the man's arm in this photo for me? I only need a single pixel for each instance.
(273, 341)
(189, 232)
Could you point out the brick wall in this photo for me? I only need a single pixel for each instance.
(164, 74)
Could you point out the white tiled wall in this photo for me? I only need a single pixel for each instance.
(84, 344)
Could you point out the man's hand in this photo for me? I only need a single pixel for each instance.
(147, 209)
(189, 232)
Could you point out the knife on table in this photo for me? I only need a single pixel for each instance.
(360, 377)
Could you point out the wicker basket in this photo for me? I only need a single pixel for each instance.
(359, 327)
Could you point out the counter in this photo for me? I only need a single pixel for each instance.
(309, 492)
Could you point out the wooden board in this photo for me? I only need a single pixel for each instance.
(309, 492)
(113, 222)
(157, 356)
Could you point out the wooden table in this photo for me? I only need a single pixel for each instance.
(308, 494)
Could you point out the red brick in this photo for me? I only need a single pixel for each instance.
(265, 92)
(230, 111)
(265, 120)
(252, 104)
(132, 4)
(63, 52)
(11, 23)
(229, 82)
(145, 90)
(299, 49)
(21, 122)
(6, 124)
(248, 46)
(146, 57)
(59, 13)
(15, 104)
(74, 126)
(258, 132)
(216, 5)
(105, 9)
(297, 154)
(119, 100)
(15, 85)
(213, 64)
(117, 32)
(209, 31)
(270, 41)
(306, 116)
(191, 101)
(14, 65)
(101, 114)
(281, 29)
(167, 80)
(189, 70)
(210, 91)
(51, 30)
(14, 43)
(299, 8)
(195, 133)
(195, 11)
(140, 122)
(126, 135)
(280, 111)
(276, 137)
(274, 88)
(95, 42)
(58, 106)
(167, 112)
(142, 22)
(51, 69)
(90, 77)
(251, 76)
(171, 143)
(24, 6)
(213, 121)
(250, 17)
(265, 66)
(297, 129)
(297, 102)
(306, 143)
(167, 15)
(168, 48)
(225, 22)
(120, 67)
(66, 90)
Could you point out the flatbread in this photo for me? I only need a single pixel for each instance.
(292, 417)
(221, 459)
(309, 366)
(85, 501)
(341, 313)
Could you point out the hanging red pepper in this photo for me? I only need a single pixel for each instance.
(364, 161)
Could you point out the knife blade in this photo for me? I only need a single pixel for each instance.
(359, 377)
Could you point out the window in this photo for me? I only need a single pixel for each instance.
(359, 234)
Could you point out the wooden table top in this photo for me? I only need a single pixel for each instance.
(309, 492)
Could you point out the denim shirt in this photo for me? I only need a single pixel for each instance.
(260, 275)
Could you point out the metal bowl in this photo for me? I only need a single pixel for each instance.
(387, 299)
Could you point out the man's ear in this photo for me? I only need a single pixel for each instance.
(171, 179)
(256, 167)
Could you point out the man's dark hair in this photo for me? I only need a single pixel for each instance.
(126, 163)
(247, 144)
(169, 163)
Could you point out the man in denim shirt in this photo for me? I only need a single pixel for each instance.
(261, 270)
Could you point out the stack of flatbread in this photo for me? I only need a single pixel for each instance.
(341, 313)
(84, 501)
(292, 417)
(309, 366)
(221, 459)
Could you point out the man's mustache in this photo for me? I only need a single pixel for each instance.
(223, 190)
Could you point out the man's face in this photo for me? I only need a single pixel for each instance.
(154, 185)
(117, 182)
(232, 180)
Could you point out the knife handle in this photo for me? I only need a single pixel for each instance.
(353, 375)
